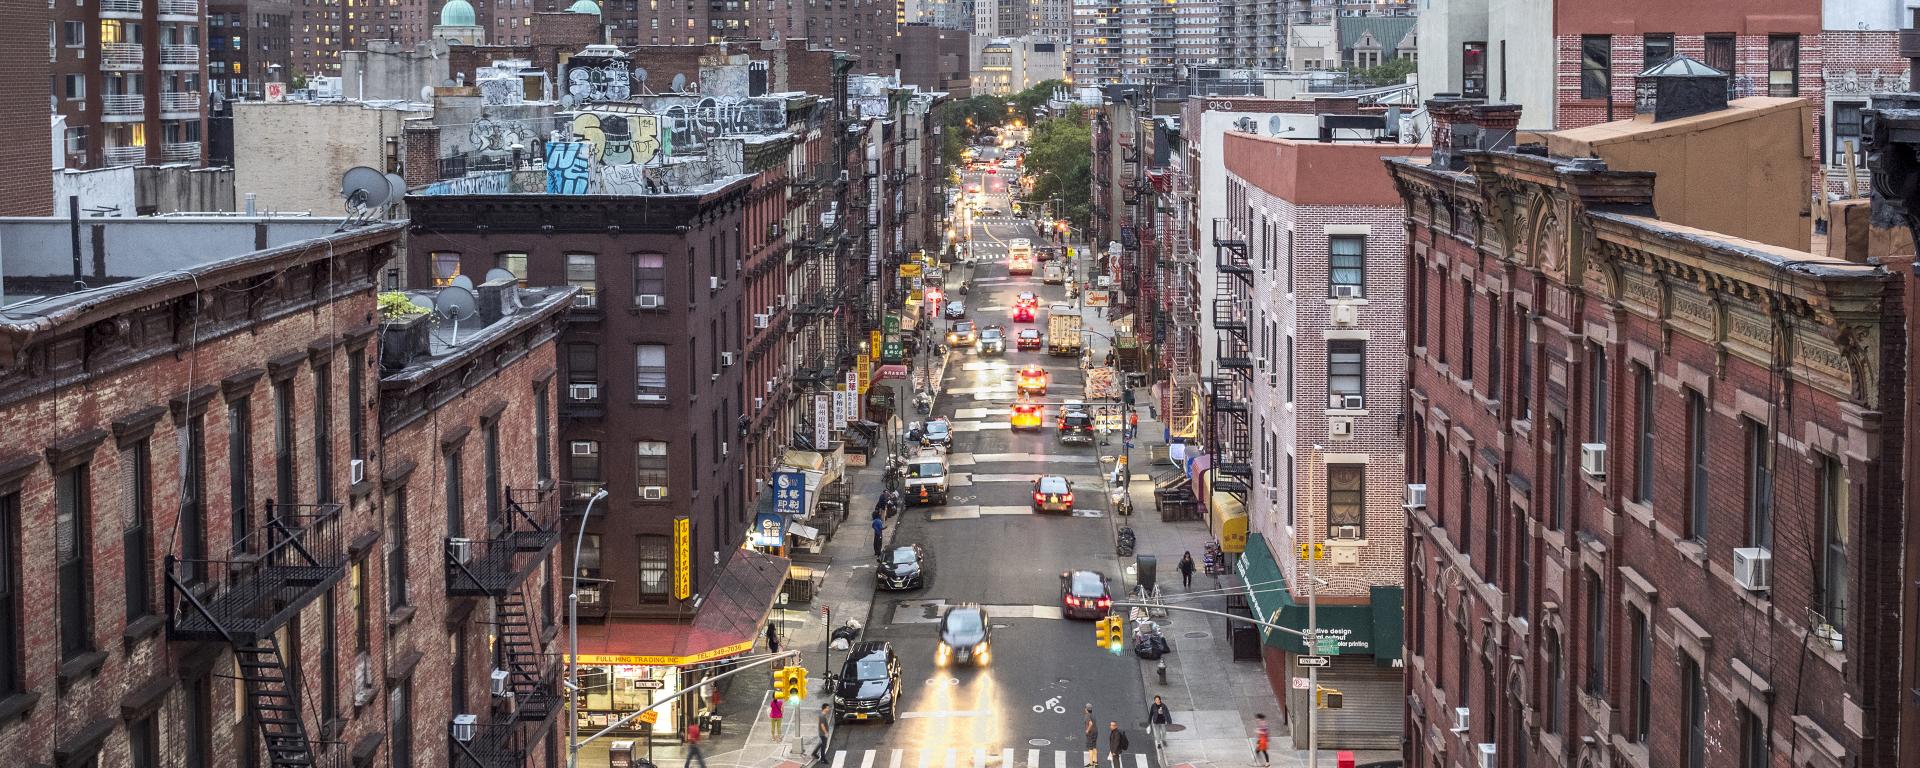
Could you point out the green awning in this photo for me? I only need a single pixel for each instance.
(1374, 629)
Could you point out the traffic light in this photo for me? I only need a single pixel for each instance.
(1313, 551)
(1111, 634)
(782, 682)
(1328, 698)
(797, 683)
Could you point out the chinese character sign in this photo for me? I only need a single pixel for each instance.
(790, 494)
(682, 558)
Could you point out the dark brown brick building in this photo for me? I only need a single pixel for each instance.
(129, 77)
(26, 187)
(1656, 490)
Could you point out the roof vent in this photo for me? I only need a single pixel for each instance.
(1679, 87)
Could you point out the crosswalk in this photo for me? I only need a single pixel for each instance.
(977, 757)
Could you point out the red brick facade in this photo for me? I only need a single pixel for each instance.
(1572, 610)
(26, 186)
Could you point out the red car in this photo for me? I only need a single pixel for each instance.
(1028, 338)
(1023, 314)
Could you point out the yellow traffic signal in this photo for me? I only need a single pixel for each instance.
(1113, 634)
(1329, 698)
(1313, 551)
(781, 682)
(797, 683)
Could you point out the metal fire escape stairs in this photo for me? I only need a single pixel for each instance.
(1233, 360)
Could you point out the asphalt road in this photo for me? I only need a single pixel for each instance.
(988, 547)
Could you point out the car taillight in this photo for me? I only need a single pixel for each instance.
(1067, 498)
(1039, 497)
(1103, 604)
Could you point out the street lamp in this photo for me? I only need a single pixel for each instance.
(573, 638)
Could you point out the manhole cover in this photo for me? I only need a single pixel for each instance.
(1039, 742)
(1197, 635)
(1175, 727)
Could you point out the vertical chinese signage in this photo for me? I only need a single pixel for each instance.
(853, 392)
(822, 419)
(682, 558)
(840, 397)
(864, 370)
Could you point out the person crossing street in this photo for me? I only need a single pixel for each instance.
(1116, 744)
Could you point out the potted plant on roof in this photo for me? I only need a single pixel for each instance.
(403, 329)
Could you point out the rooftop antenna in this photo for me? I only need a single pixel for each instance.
(456, 303)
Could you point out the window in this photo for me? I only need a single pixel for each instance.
(455, 494)
(358, 602)
(650, 468)
(357, 403)
(1693, 714)
(76, 86)
(446, 267)
(77, 140)
(1466, 330)
(323, 433)
(542, 433)
(491, 468)
(1596, 67)
(1834, 537)
(580, 274)
(583, 364)
(1557, 466)
(1655, 49)
(1347, 501)
(1420, 313)
(1496, 346)
(198, 710)
(1597, 394)
(400, 723)
(329, 660)
(1783, 65)
(12, 624)
(73, 33)
(1759, 484)
(583, 461)
(655, 558)
(1596, 635)
(1640, 719)
(193, 497)
(514, 262)
(1473, 70)
(1494, 522)
(1522, 564)
(1463, 537)
(649, 275)
(135, 529)
(143, 743)
(70, 524)
(1754, 750)
(1846, 132)
(1290, 489)
(1642, 434)
(283, 445)
(1696, 466)
(396, 541)
(1523, 373)
(1289, 368)
(1719, 53)
(1347, 265)
(650, 371)
(1346, 373)
(1556, 686)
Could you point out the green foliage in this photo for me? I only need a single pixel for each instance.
(395, 306)
(1389, 72)
(1060, 161)
(1028, 100)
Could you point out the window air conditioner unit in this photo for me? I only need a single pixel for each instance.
(459, 549)
(713, 282)
(1462, 719)
(759, 321)
(463, 726)
(845, 175)
(649, 301)
(723, 449)
(726, 359)
(1340, 427)
(1416, 495)
(1346, 315)
(759, 403)
(583, 391)
(769, 386)
(499, 680)
(1487, 753)
(584, 448)
(779, 299)
(1593, 459)
(1346, 291)
(653, 492)
(586, 301)
(357, 471)
(1353, 402)
(1753, 568)
(774, 229)
(1346, 532)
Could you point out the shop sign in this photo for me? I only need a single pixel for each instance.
(606, 660)
(893, 352)
(910, 270)
(853, 392)
(1097, 298)
(840, 398)
(873, 339)
(682, 558)
(891, 323)
(822, 419)
(790, 493)
(865, 367)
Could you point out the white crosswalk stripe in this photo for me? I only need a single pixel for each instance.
(975, 757)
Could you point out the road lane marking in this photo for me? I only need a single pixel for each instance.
(1027, 458)
(926, 757)
(1059, 759)
(1033, 758)
(953, 758)
(1077, 479)
(955, 513)
(1006, 757)
(940, 713)
(979, 757)
(866, 760)
(894, 761)
(839, 759)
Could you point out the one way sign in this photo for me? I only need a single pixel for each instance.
(1313, 661)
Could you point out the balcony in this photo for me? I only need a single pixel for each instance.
(189, 8)
(179, 56)
(123, 104)
(497, 566)
(264, 580)
(120, 9)
(180, 151)
(180, 101)
(122, 56)
(126, 155)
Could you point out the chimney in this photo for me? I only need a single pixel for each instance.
(1469, 125)
(495, 299)
(420, 150)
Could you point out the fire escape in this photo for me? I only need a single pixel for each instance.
(1233, 364)
(1180, 307)
(264, 581)
(525, 679)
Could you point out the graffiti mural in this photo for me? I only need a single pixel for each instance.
(496, 183)
(609, 81)
(626, 179)
(692, 122)
(498, 136)
(569, 166)
(619, 138)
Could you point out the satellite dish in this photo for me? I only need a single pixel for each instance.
(426, 93)
(463, 282)
(500, 273)
(416, 301)
(364, 189)
(679, 82)
(396, 186)
(1273, 125)
(639, 74)
(456, 304)
(447, 81)
(1393, 120)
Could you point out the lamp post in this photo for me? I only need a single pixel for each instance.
(573, 638)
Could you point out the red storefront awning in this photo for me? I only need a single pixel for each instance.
(731, 615)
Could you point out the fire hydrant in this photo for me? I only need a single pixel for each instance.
(1160, 668)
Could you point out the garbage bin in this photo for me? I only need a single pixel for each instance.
(1246, 642)
(620, 755)
(1145, 566)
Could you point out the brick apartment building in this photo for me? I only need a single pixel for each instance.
(864, 29)
(1653, 470)
(1307, 318)
(251, 43)
(26, 189)
(129, 79)
(320, 29)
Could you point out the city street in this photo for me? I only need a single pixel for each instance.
(987, 546)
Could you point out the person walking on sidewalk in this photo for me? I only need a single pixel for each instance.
(1186, 570)
(1116, 744)
(823, 729)
(879, 538)
(1260, 735)
(1093, 741)
(1158, 718)
(775, 710)
(773, 639)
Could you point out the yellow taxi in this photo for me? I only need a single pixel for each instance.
(1032, 380)
(1026, 416)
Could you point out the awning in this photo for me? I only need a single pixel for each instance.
(1227, 517)
(729, 620)
(1374, 629)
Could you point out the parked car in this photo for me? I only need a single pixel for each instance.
(936, 433)
(965, 636)
(869, 684)
(903, 567)
(1085, 595)
(1052, 493)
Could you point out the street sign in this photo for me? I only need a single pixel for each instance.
(1326, 645)
(1313, 661)
(650, 716)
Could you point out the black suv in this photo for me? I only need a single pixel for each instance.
(869, 684)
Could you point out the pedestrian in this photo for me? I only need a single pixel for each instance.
(1116, 744)
(1158, 718)
(879, 544)
(1260, 734)
(1186, 570)
(1093, 741)
(775, 709)
(773, 639)
(823, 730)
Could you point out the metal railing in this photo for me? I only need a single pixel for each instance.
(123, 104)
(179, 101)
(179, 54)
(125, 155)
(120, 6)
(179, 7)
(114, 55)
(179, 151)
(527, 530)
(265, 579)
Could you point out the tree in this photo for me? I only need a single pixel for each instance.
(1389, 72)
(1026, 101)
(1060, 162)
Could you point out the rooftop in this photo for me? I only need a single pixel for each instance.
(490, 312)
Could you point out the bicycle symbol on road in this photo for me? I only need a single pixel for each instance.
(1053, 704)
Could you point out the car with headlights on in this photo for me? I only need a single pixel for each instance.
(965, 637)
(1032, 380)
(993, 341)
(1052, 493)
(903, 567)
(1026, 416)
(963, 334)
(868, 686)
(1085, 595)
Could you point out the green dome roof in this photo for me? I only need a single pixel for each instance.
(584, 6)
(457, 13)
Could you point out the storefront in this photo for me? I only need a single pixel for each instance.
(627, 665)
(1363, 636)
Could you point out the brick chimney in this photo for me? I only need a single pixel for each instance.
(420, 154)
(1465, 125)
